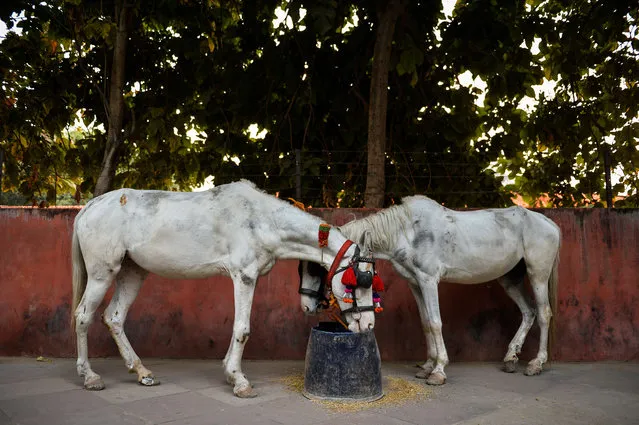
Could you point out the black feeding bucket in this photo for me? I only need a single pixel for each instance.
(342, 365)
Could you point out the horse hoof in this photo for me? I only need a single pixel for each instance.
(149, 381)
(245, 392)
(510, 366)
(94, 384)
(532, 370)
(436, 378)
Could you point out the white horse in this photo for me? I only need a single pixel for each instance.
(233, 230)
(428, 243)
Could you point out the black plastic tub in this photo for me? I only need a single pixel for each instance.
(342, 365)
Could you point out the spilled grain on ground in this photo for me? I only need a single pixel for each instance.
(397, 391)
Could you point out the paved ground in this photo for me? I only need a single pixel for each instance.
(193, 392)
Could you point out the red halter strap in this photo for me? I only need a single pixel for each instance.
(337, 260)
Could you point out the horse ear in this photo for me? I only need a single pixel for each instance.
(364, 241)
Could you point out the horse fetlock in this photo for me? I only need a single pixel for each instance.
(423, 374)
(513, 352)
(84, 369)
(144, 373)
(426, 369)
(234, 377)
(133, 365)
(241, 384)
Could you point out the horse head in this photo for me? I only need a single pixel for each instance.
(312, 287)
(351, 285)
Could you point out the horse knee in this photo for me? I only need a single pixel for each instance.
(243, 336)
(82, 321)
(113, 322)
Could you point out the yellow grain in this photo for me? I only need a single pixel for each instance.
(397, 391)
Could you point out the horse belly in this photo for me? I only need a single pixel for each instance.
(481, 269)
(178, 260)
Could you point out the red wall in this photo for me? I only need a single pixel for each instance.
(596, 320)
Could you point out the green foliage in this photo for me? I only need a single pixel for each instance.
(587, 47)
(216, 67)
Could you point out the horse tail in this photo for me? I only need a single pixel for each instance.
(79, 274)
(552, 295)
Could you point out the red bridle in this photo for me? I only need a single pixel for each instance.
(337, 260)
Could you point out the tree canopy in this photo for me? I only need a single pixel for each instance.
(198, 74)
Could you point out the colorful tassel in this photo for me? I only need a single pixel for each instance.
(348, 295)
(378, 285)
(322, 235)
(349, 278)
(377, 301)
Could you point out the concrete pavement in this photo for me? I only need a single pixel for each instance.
(193, 392)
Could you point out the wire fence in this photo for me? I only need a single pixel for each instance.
(437, 174)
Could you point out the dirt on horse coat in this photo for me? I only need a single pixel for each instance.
(233, 230)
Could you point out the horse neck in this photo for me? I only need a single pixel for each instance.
(299, 238)
(382, 229)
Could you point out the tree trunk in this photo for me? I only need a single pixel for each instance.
(375, 177)
(116, 102)
(607, 166)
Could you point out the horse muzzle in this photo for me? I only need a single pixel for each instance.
(361, 322)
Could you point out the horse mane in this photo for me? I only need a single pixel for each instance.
(382, 228)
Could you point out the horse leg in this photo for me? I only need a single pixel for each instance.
(128, 283)
(93, 295)
(431, 301)
(243, 291)
(514, 287)
(429, 365)
(539, 285)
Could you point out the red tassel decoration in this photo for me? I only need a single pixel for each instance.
(378, 285)
(349, 278)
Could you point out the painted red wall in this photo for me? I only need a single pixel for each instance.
(596, 320)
